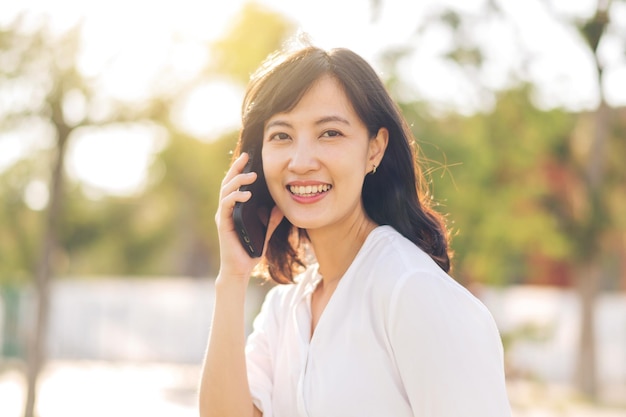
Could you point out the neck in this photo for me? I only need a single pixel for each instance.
(336, 247)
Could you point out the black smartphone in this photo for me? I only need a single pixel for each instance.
(251, 218)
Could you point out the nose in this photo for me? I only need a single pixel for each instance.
(303, 158)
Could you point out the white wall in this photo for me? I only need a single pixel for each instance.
(138, 319)
(550, 352)
(169, 320)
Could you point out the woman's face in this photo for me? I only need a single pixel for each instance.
(316, 156)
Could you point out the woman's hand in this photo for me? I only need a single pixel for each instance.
(234, 260)
(224, 388)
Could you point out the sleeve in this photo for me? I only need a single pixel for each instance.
(447, 349)
(259, 353)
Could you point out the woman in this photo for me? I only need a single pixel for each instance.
(374, 326)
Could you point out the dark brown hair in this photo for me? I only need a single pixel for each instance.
(396, 195)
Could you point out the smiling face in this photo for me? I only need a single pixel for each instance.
(316, 157)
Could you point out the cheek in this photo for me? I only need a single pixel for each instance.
(358, 165)
(350, 174)
(271, 171)
(269, 163)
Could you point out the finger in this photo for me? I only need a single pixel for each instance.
(236, 168)
(237, 182)
(227, 204)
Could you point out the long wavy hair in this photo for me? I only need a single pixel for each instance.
(396, 195)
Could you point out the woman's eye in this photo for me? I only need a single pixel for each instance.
(279, 136)
(331, 134)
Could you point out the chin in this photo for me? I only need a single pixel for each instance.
(303, 223)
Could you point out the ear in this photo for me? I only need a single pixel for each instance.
(377, 147)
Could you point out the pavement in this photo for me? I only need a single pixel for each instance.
(122, 389)
(104, 389)
(535, 399)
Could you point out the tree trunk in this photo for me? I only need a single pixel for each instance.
(44, 273)
(590, 275)
(588, 283)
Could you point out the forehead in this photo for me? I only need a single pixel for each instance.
(325, 97)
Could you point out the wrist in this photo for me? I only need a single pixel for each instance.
(226, 280)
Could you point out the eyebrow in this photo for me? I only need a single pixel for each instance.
(321, 121)
(328, 119)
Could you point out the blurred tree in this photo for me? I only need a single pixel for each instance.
(486, 171)
(173, 222)
(563, 198)
(49, 73)
(255, 33)
(194, 169)
(39, 76)
(187, 195)
(166, 229)
(590, 224)
(20, 230)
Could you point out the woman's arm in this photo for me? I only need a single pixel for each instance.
(224, 389)
(447, 348)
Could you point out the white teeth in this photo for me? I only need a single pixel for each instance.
(308, 190)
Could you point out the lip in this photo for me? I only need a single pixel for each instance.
(311, 198)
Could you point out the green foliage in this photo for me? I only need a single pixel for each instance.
(190, 188)
(255, 33)
(111, 236)
(593, 29)
(510, 180)
(492, 184)
(167, 229)
(512, 184)
(20, 226)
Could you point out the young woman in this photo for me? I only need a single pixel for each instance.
(374, 326)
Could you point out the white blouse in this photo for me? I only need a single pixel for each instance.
(398, 338)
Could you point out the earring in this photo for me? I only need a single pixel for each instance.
(374, 169)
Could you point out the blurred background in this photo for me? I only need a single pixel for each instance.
(117, 122)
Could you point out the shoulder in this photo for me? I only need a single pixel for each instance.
(389, 258)
(392, 248)
(399, 271)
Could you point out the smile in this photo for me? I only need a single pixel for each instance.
(309, 190)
